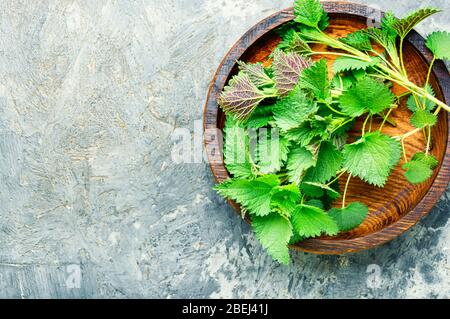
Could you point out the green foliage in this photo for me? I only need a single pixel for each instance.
(415, 103)
(325, 187)
(302, 135)
(420, 168)
(299, 160)
(359, 40)
(345, 64)
(310, 13)
(349, 217)
(284, 199)
(439, 43)
(387, 24)
(274, 233)
(329, 161)
(312, 221)
(367, 95)
(314, 79)
(387, 39)
(405, 25)
(291, 111)
(287, 126)
(430, 160)
(256, 73)
(271, 151)
(260, 117)
(422, 118)
(293, 42)
(254, 194)
(237, 150)
(417, 172)
(372, 157)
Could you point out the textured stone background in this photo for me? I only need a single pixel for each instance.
(90, 93)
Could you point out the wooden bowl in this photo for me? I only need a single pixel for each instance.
(392, 209)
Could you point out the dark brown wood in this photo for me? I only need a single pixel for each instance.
(399, 205)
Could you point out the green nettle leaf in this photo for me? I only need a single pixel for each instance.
(325, 187)
(293, 110)
(345, 64)
(349, 217)
(329, 161)
(415, 103)
(310, 13)
(296, 238)
(256, 73)
(372, 157)
(387, 39)
(254, 195)
(422, 118)
(420, 168)
(396, 152)
(340, 140)
(302, 135)
(315, 203)
(311, 190)
(366, 95)
(292, 41)
(417, 172)
(260, 117)
(311, 221)
(387, 24)
(237, 150)
(342, 81)
(274, 233)
(284, 199)
(359, 74)
(329, 197)
(322, 126)
(430, 160)
(272, 151)
(405, 25)
(299, 160)
(315, 80)
(439, 43)
(241, 96)
(359, 40)
(287, 68)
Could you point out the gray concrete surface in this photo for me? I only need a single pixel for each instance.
(91, 204)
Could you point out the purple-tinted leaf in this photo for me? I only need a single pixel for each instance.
(256, 73)
(287, 68)
(241, 96)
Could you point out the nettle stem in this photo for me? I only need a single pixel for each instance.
(429, 72)
(331, 53)
(345, 190)
(429, 141)
(363, 131)
(387, 72)
(406, 83)
(402, 63)
(342, 172)
(385, 118)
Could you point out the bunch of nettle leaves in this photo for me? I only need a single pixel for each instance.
(286, 126)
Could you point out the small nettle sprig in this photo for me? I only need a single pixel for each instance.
(286, 142)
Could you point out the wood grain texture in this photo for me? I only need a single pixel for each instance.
(399, 205)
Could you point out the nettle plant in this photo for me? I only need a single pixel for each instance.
(286, 131)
